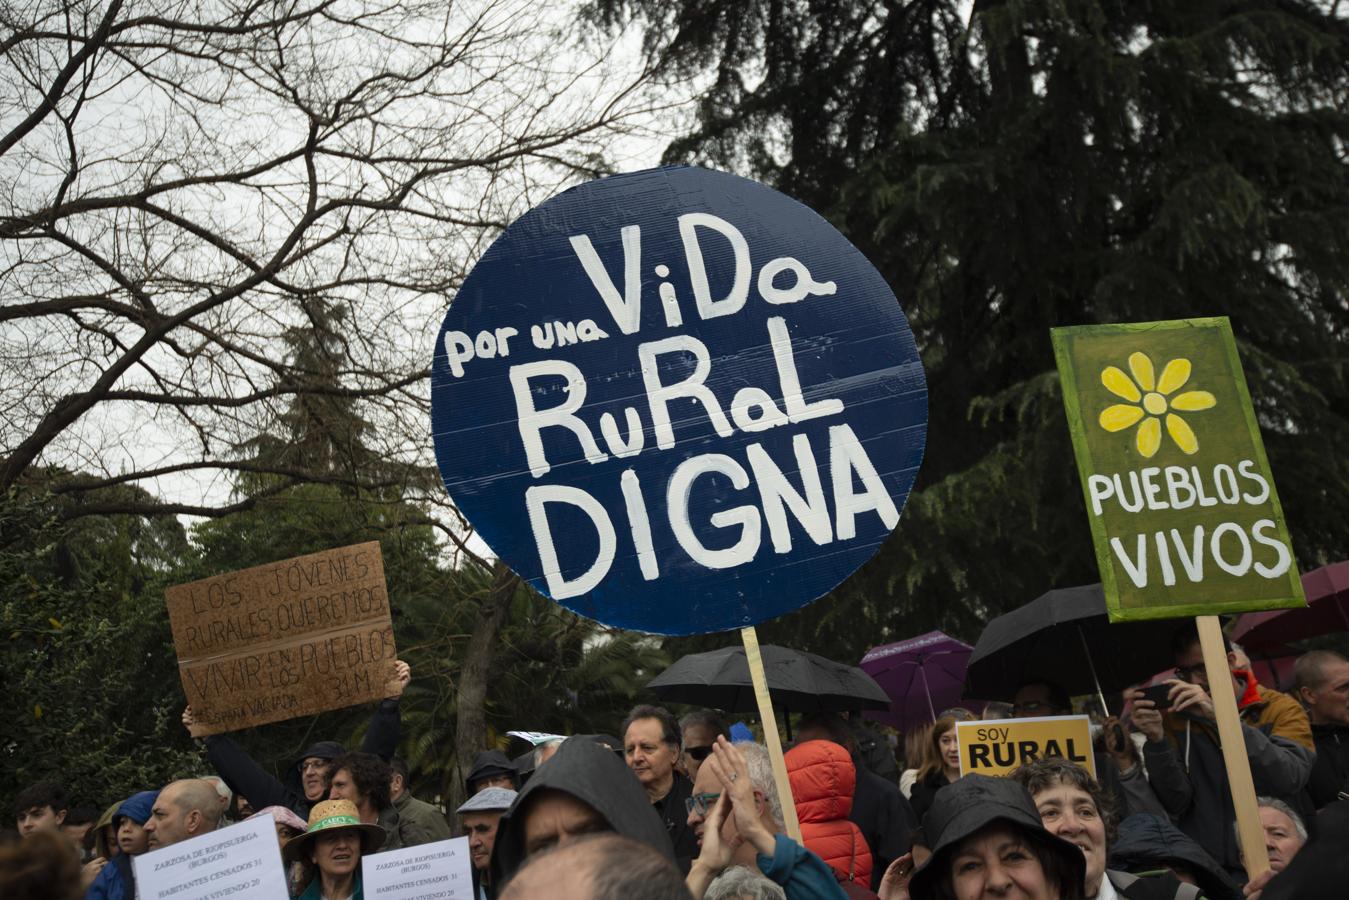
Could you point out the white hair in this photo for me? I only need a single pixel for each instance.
(1276, 804)
(761, 776)
(739, 883)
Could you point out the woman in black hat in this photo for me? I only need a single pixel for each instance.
(989, 843)
(333, 844)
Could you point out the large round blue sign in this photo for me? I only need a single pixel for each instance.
(678, 401)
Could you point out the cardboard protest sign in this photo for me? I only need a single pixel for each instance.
(438, 871)
(1179, 493)
(241, 861)
(678, 401)
(998, 746)
(291, 638)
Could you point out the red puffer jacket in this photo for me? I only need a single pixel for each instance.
(823, 781)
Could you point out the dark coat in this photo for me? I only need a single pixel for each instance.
(1330, 773)
(419, 822)
(1197, 795)
(924, 792)
(1150, 843)
(885, 818)
(599, 779)
(244, 776)
(675, 816)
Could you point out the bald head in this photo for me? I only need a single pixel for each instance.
(183, 810)
(597, 867)
(1323, 685)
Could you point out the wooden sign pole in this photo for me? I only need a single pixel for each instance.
(1249, 832)
(770, 731)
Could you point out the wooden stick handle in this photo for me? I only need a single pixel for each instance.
(1249, 831)
(770, 731)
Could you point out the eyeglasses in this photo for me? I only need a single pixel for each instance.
(699, 753)
(1032, 706)
(700, 804)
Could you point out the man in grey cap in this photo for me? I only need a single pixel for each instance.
(479, 817)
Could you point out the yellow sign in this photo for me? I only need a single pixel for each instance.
(998, 746)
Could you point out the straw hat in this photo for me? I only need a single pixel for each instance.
(328, 816)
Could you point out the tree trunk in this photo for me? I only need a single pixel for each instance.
(470, 715)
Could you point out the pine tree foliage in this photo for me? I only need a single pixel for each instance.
(1016, 165)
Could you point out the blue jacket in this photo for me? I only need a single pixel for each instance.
(117, 880)
(114, 882)
(800, 873)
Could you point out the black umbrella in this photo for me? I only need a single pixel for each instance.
(797, 682)
(1065, 637)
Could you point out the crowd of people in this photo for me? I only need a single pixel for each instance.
(677, 808)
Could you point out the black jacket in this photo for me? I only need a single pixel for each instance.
(884, 817)
(597, 778)
(675, 816)
(1197, 796)
(1330, 772)
(244, 776)
(920, 798)
(1149, 843)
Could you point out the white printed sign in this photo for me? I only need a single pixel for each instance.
(240, 862)
(439, 871)
(536, 737)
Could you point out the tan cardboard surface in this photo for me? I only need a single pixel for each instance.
(286, 639)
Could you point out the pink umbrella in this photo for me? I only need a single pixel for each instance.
(921, 676)
(1327, 612)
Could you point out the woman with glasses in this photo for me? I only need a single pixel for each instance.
(941, 765)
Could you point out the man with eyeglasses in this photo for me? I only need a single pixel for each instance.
(737, 817)
(1184, 757)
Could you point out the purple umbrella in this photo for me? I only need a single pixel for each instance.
(921, 676)
(1326, 612)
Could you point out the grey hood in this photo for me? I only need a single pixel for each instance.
(596, 777)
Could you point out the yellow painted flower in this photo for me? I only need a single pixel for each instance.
(1149, 400)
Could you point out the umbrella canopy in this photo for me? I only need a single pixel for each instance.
(1061, 637)
(921, 676)
(1327, 612)
(797, 682)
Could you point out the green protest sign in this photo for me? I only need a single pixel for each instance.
(1180, 497)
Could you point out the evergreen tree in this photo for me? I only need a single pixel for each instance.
(91, 696)
(1022, 165)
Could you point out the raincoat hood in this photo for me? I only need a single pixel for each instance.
(101, 846)
(136, 807)
(823, 780)
(596, 777)
(1147, 842)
